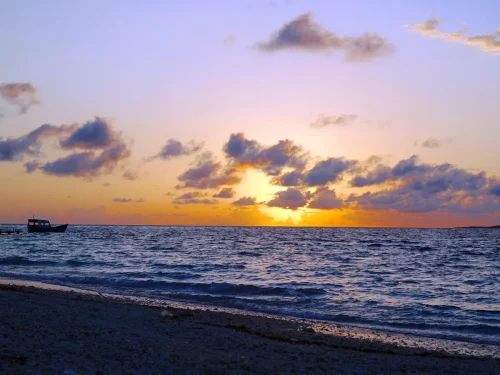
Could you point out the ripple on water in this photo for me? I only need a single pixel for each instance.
(441, 282)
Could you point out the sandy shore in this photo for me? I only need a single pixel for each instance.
(45, 331)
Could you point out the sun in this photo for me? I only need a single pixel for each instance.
(283, 216)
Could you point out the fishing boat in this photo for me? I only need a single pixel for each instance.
(43, 226)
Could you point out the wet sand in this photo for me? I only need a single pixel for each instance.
(52, 331)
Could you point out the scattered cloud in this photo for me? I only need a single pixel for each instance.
(293, 178)
(290, 198)
(418, 187)
(127, 200)
(409, 185)
(329, 170)
(13, 149)
(246, 153)
(87, 164)
(489, 43)
(340, 120)
(91, 135)
(495, 190)
(32, 166)
(21, 95)
(377, 176)
(245, 201)
(325, 199)
(302, 33)
(130, 175)
(208, 174)
(430, 29)
(224, 193)
(436, 142)
(174, 148)
(194, 198)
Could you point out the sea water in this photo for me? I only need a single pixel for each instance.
(432, 282)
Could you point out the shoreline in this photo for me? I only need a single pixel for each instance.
(407, 337)
(47, 327)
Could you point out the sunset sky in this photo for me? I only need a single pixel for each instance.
(247, 112)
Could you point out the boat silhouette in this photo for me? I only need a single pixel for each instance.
(43, 226)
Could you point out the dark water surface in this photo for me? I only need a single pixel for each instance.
(433, 282)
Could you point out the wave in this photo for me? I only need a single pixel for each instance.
(209, 288)
(250, 253)
(22, 261)
(76, 263)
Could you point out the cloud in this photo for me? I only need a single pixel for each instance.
(293, 178)
(130, 175)
(409, 166)
(340, 120)
(290, 198)
(91, 136)
(329, 170)
(208, 174)
(325, 199)
(174, 148)
(403, 169)
(194, 198)
(495, 190)
(400, 199)
(489, 43)
(13, 149)
(429, 28)
(245, 201)
(436, 142)
(87, 164)
(224, 193)
(302, 33)
(21, 95)
(127, 200)
(379, 175)
(419, 187)
(32, 166)
(271, 160)
(96, 134)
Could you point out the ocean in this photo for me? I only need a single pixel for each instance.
(442, 283)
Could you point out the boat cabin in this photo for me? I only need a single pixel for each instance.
(39, 223)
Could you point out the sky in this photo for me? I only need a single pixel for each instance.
(279, 112)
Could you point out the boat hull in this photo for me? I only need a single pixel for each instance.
(54, 229)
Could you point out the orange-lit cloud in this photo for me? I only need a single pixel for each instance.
(301, 189)
(208, 173)
(487, 42)
(225, 193)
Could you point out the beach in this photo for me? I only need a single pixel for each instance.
(63, 331)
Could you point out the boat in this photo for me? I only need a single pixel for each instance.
(43, 226)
